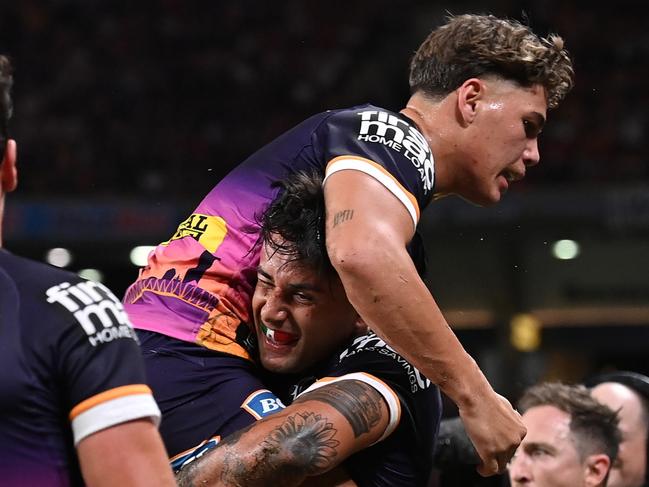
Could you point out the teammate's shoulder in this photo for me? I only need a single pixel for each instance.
(369, 341)
(39, 283)
(363, 350)
(370, 356)
(9, 294)
(357, 112)
(66, 300)
(30, 275)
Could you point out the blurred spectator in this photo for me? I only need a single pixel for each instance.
(622, 391)
(627, 393)
(572, 440)
(136, 91)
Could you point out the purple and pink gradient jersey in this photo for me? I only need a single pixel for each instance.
(198, 285)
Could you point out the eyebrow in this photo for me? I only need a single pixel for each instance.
(263, 273)
(537, 445)
(539, 120)
(300, 286)
(304, 287)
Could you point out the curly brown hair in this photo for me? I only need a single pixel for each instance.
(471, 46)
(293, 224)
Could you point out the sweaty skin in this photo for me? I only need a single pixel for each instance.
(492, 142)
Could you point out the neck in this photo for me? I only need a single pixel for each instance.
(434, 119)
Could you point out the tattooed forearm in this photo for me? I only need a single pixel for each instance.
(358, 402)
(204, 469)
(343, 216)
(303, 444)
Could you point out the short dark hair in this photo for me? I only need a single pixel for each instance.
(293, 225)
(593, 425)
(6, 104)
(473, 46)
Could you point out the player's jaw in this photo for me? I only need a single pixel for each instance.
(488, 187)
(508, 176)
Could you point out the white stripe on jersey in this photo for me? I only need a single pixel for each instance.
(342, 163)
(114, 412)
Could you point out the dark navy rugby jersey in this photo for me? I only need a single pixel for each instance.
(69, 367)
(402, 457)
(198, 284)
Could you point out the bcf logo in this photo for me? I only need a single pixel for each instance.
(262, 403)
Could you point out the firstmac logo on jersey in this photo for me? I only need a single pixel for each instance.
(97, 310)
(389, 130)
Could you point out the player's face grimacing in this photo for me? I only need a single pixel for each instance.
(300, 317)
(501, 140)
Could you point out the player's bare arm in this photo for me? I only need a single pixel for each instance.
(380, 279)
(309, 438)
(129, 453)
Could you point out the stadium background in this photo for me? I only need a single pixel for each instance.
(127, 113)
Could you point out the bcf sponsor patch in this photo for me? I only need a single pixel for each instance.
(262, 403)
(388, 129)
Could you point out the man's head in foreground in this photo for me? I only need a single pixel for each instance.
(571, 440)
(301, 312)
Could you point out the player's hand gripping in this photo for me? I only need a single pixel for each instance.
(495, 429)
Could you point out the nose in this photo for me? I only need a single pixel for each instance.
(273, 309)
(519, 470)
(531, 155)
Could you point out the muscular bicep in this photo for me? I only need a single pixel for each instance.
(361, 412)
(309, 438)
(359, 204)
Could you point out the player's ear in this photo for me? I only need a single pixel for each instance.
(8, 171)
(597, 467)
(468, 95)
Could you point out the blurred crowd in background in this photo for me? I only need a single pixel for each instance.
(157, 100)
(162, 98)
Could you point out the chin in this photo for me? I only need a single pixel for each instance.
(275, 369)
(482, 193)
(483, 200)
(278, 367)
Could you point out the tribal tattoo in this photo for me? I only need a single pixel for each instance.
(358, 402)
